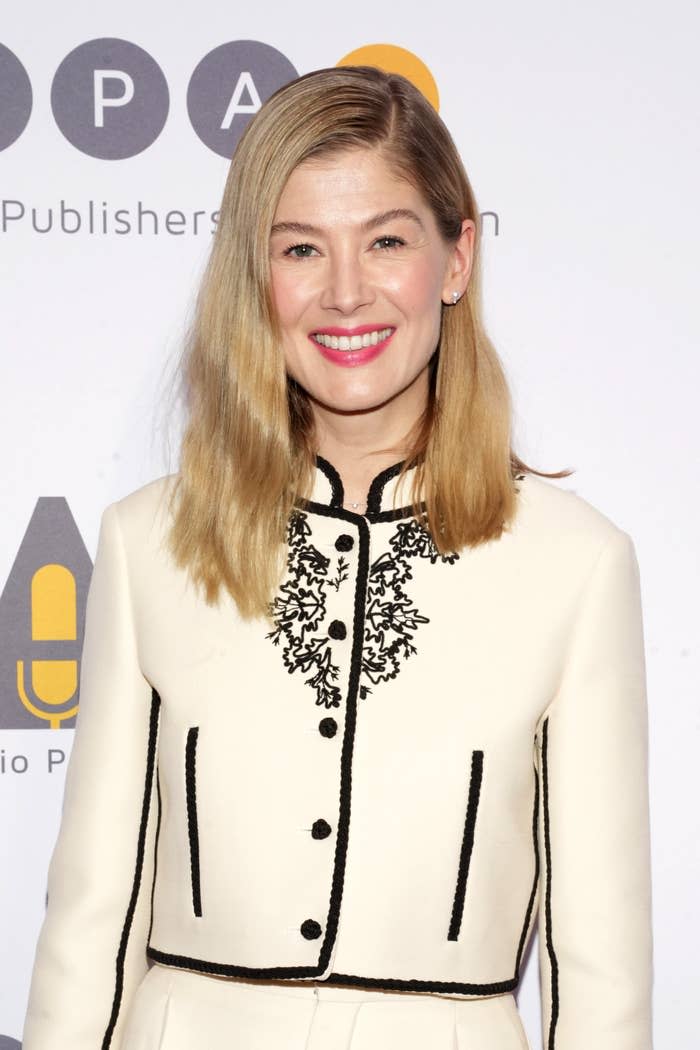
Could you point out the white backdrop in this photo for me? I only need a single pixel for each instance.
(578, 127)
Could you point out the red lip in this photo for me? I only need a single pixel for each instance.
(360, 330)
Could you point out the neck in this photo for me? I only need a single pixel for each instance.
(359, 453)
(362, 444)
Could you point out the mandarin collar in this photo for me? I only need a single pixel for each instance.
(386, 496)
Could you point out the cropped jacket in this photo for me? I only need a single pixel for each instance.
(417, 760)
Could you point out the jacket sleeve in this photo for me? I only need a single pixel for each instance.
(594, 923)
(91, 951)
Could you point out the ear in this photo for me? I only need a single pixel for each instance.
(459, 263)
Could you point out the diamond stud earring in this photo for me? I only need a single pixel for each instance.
(455, 297)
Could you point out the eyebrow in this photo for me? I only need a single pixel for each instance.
(368, 224)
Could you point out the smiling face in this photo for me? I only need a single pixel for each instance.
(359, 272)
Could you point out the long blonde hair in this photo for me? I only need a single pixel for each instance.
(248, 447)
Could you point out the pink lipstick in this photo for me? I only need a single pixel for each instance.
(351, 357)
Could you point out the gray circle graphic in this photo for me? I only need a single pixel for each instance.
(7, 1043)
(228, 87)
(16, 95)
(110, 98)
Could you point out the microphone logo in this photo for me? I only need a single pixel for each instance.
(53, 618)
(42, 613)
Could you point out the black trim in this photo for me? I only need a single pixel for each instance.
(391, 984)
(375, 495)
(477, 768)
(341, 845)
(155, 852)
(184, 962)
(337, 491)
(394, 515)
(138, 869)
(533, 892)
(554, 965)
(348, 515)
(192, 827)
(376, 489)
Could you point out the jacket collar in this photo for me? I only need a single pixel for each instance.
(387, 496)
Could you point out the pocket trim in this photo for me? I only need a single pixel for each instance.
(192, 826)
(475, 778)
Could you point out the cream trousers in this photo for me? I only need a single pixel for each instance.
(179, 1010)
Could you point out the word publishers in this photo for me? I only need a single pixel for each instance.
(103, 219)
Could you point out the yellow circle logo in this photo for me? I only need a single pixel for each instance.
(393, 59)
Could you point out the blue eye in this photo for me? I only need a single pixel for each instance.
(302, 249)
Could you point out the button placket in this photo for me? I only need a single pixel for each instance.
(342, 551)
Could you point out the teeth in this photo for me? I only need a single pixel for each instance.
(353, 342)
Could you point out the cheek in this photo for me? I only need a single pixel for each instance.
(419, 287)
(288, 297)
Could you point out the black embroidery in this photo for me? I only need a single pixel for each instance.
(341, 573)
(300, 607)
(391, 619)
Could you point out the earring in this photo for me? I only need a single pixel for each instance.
(455, 297)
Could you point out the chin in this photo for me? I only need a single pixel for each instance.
(359, 401)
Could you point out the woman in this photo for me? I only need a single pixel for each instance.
(362, 695)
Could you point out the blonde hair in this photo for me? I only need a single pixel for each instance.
(248, 447)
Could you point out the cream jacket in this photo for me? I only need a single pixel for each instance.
(421, 758)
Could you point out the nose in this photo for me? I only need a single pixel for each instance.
(347, 286)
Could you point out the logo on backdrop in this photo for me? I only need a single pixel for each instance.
(229, 86)
(8, 1043)
(16, 93)
(110, 98)
(42, 620)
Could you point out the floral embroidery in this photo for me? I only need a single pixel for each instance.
(299, 608)
(391, 619)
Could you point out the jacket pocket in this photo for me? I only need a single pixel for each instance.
(192, 827)
(477, 768)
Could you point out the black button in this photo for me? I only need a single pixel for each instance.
(321, 829)
(310, 929)
(328, 727)
(337, 630)
(344, 542)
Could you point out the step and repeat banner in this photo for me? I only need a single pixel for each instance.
(578, 128)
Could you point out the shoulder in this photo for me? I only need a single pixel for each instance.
(544, 501)
(145, 512)
(145, 498)
(553, 518)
